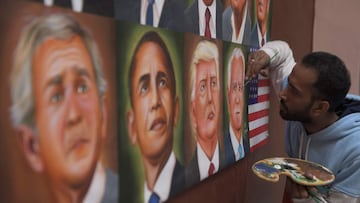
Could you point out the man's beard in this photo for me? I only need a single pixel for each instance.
(301, 116)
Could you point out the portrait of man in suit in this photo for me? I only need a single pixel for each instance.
(58, 93)
(234, 140)
(236, 22)
(167, 14)
(152, 116)
(260, 33)
(204, 17)
(205, 112)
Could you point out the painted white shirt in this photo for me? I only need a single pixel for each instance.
(204, 162)
(163, 183)
(202, 21)
(97, 187)
(157, 9)
(77, 5)
(235, 144)
(239, 39)
(260, 37)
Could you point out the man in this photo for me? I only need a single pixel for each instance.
(153, 115)
(235, 142)
(237, 22)
(203, 17)
(58, 109)
(205, 112)
(260, 35)
(167, 14)
(323, 124)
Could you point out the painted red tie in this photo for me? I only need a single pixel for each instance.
(262, 42)
(211, 169)
(207, 25)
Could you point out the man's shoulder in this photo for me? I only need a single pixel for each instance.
(192, 8)
(227, 15)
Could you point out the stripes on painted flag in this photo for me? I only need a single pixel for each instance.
(258, 111)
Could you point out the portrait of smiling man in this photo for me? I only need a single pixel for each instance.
(58, 90)
(153, 115)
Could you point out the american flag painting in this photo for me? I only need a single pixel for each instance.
(258, 111)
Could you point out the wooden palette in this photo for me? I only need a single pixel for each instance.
(300, 171)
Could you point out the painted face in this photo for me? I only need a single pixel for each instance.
(238, 5)
(296, 99)
(208, 2)
(206, 104)
(153, 102)
(236, 93)
(262, 10)
(67, 111)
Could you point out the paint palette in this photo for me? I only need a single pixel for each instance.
(300, 171)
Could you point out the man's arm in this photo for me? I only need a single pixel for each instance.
(304, 194)
(278, 56)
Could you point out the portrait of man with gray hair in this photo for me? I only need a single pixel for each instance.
(235, 143)
(58, 94)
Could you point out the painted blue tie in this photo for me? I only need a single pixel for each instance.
(240, 151)
(149, 13)
(154, 198)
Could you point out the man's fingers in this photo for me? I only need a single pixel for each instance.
(256, 62)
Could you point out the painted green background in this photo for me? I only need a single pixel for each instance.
(131, 170)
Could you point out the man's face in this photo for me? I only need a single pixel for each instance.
(68, 114)
(236, 93)
(153, 102)
(296, 99)
(238, 5)
(262, 10)
(206, 104)
(208, 2)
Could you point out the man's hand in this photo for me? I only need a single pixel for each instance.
(257, 62)
(297, 191)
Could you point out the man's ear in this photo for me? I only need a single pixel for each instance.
(320, 107)
(176, 111)
(228, 96)
(192, 114)
(104, 113)
(30, 145)
(131, 126)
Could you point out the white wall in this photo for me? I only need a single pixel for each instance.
(337, 30)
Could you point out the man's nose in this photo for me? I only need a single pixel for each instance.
(155, 97)
(237, 98)
(209, 93)
(73, 109)
(238, 95)
(282, 95)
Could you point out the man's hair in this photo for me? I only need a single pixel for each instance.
(57, 26)
(204, 51)
(153, 37)
(236, 53)
(333, 79)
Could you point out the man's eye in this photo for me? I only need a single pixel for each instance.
(144, 89)
(56, 98)
(162, 83)
(202, 86)
(82, 88)
(213, 83)
(234, 87)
